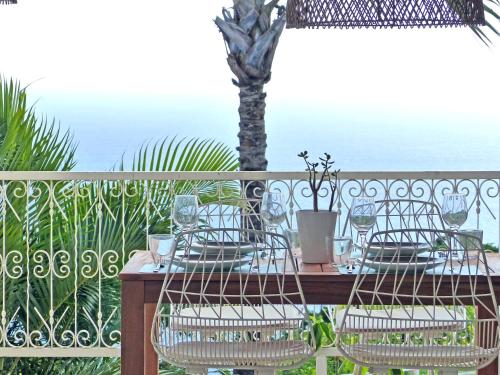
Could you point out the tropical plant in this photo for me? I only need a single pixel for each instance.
(84, 218)
(26, 143)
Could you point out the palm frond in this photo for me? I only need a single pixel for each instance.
(27, 143)
(492, 14)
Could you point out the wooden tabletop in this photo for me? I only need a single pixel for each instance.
(131, 271)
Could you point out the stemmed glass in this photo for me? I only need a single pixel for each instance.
(186, 211)
(273, 209)
(363, 215)
(273, 212)
(454, 210)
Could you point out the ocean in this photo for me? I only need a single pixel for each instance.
(109, 128)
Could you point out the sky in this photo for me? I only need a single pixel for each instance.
(123, 71)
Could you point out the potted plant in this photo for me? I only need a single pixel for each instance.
(315, 225)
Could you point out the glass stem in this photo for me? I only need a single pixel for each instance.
(363, 242)
(454, 253)
(189, 237)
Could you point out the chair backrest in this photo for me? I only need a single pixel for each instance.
(412, 284)
(402, 214)
(231, 281)
(241, 213)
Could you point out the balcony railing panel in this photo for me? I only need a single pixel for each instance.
(66, 235)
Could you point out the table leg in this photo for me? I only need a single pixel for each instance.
(150, 356)
(491, 369)
(132, 345)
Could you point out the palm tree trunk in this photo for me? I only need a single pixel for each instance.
(252, 135)
(252, 148)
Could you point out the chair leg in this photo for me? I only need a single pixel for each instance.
(196, 371)
(321, 364)
(357, 370)
(378, 371)
(448, 371)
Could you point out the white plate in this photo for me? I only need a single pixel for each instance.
(230, 248)
(404, 248)
(421, 264)
(199, 263)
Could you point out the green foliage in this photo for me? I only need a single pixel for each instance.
(26, 142)
(85, 218)
(80, 366)
(335, 366)
(488, 247)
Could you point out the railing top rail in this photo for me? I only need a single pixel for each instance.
(254, 176)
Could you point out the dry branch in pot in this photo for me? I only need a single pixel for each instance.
(317, 177)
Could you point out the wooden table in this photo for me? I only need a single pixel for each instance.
(322, 284)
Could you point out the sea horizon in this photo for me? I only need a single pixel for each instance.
(375, 139)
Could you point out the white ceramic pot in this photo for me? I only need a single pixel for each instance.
(314, 227)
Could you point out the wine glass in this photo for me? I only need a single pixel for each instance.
(186, 211)
(454, 210)
(273, 209)
(363, 215)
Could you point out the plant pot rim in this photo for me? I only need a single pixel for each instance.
(319, 212)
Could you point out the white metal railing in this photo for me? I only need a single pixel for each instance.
(66, 235)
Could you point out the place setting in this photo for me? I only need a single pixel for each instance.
(164, 247)
(210, 253)
(214, 249)
(214, 256)
(413, 251)
(189, 252)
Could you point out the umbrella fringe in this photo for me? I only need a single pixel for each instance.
(384, 13)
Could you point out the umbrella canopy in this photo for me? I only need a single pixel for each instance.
(383, 13)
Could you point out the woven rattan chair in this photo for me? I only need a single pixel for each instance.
(417, 310)
(234, 316)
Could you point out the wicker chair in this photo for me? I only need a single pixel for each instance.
(415, 312)
(225, 311)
